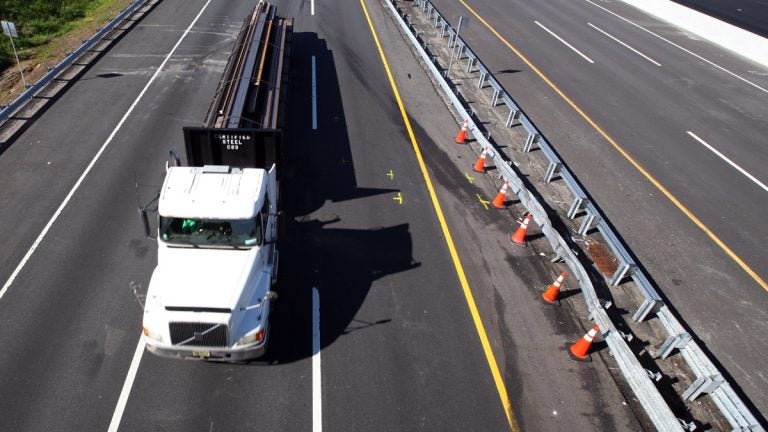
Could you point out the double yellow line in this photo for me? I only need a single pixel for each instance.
(626, 155)
(498, 380)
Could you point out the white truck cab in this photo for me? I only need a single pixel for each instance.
(210, 295)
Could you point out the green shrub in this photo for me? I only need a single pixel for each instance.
(37, 22)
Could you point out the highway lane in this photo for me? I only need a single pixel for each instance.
(648, 109)
(403, 351)
(74, 301)
(664, 106)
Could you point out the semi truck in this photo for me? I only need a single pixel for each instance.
(212, 291)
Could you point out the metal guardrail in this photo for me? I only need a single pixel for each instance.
(34, 89)
(708, 379)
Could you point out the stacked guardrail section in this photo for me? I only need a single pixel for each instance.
(35, 88)
(708, 380)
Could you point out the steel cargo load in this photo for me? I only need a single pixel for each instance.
(243, 125)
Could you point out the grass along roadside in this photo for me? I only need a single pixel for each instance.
(69, 36)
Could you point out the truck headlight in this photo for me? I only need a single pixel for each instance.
(153, 335)
(250, 338)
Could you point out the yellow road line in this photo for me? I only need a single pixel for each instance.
(626, 155)
(498, 380)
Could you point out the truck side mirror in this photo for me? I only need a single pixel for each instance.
(176, 158)
(145, 223)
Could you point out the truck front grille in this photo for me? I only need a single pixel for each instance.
(199, 334)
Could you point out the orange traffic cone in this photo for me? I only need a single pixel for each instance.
(579, 351)
(519, 235)
(550, 295)
(480, 164)
(498, 202)
(461, 138)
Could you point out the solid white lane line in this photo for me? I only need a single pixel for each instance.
(312, 7)
(625, 45)
(564, 42)
(122, 401)
(730, 162)
(314, 95)
(79, 181)
(678, 46)
(317, 393)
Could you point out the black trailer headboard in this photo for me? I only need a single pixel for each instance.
(240, 148)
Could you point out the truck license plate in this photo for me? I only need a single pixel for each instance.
(204, 354)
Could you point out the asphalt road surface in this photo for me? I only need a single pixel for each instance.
(400, 347)
(690, 115)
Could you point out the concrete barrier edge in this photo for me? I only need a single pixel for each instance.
(728, 36)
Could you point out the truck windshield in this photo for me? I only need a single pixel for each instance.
(211, 232)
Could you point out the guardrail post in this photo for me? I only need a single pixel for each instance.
(587, 224)
(678, 341)
(533, 138)
(442, 31)
(553, 168)
(470, 63)
(689, 426)
(495, 97)
(649, 306)
(656, 376)
(704, 384)
(514, 114)
(459, 48)
(578, 203)
(481, 82)
(620, 273)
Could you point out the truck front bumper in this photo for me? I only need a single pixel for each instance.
(208, 353)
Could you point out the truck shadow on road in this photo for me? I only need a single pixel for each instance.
(315, 249)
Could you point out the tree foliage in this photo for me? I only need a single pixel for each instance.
(37, 22)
